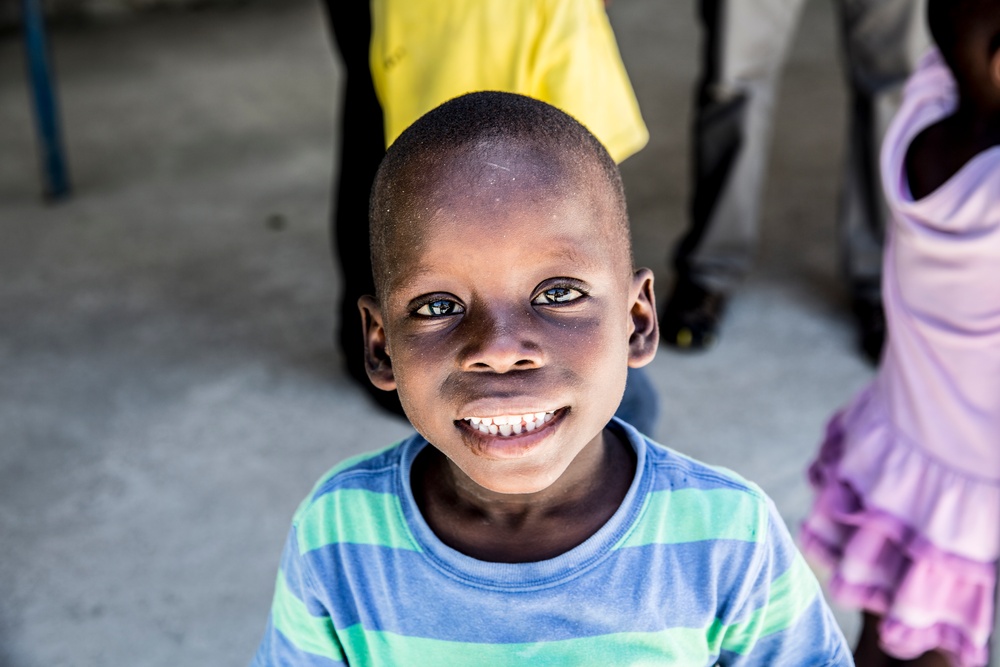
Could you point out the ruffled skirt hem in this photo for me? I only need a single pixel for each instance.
(931, 592)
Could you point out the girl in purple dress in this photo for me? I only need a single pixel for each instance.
(907, 514)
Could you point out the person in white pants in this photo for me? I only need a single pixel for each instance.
(745, 44)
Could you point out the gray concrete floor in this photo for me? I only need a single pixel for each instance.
(169, 390)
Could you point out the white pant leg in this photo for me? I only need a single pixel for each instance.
(744, 48)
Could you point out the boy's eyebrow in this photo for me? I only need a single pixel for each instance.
(416, 272)
(587, 260)
(576, 260)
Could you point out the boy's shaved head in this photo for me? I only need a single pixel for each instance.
(464, 142)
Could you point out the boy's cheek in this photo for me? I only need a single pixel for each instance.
(591, 334)
(408, 350)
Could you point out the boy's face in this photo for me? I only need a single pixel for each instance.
(516, 304)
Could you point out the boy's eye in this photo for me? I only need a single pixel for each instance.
(440, 308)
(557, 295)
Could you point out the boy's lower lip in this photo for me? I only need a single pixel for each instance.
(510, 446)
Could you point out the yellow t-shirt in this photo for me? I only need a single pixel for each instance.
(426, 52)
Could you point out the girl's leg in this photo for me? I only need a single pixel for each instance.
(932, 659)
(869, 654)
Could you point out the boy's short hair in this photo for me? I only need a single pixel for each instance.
(466, 125)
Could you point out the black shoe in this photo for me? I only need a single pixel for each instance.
(690, 319)
(870, 319)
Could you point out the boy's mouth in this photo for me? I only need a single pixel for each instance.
(510, 425)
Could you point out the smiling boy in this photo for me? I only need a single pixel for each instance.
(523, 525)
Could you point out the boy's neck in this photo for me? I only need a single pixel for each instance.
(511, 528)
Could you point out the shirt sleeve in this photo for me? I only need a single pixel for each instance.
(579, 69)
(782, 618)
(299, 631)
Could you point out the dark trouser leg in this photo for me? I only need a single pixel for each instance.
(882, 40)
(362, 146)
(744, 46)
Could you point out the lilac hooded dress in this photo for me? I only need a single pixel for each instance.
(907, 513)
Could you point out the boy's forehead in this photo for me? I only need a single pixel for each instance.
(509, 164)
(462, 189)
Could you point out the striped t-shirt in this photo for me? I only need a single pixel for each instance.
(695, 568)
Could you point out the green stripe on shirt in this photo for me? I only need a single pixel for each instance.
(311, 634)
(335, 470)
(736, 515)
(789, 597)
(682, 646)
(354, 516)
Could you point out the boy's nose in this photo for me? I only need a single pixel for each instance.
(500, 343)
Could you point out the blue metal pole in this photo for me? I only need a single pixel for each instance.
(54, 169)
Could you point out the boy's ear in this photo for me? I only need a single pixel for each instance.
(377, 361)
(645, 331)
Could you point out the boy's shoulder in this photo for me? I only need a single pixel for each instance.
(688, 500)
(357, 471)
(356, 501)
(680, 471)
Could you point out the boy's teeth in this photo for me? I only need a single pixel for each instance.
(510, 424)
